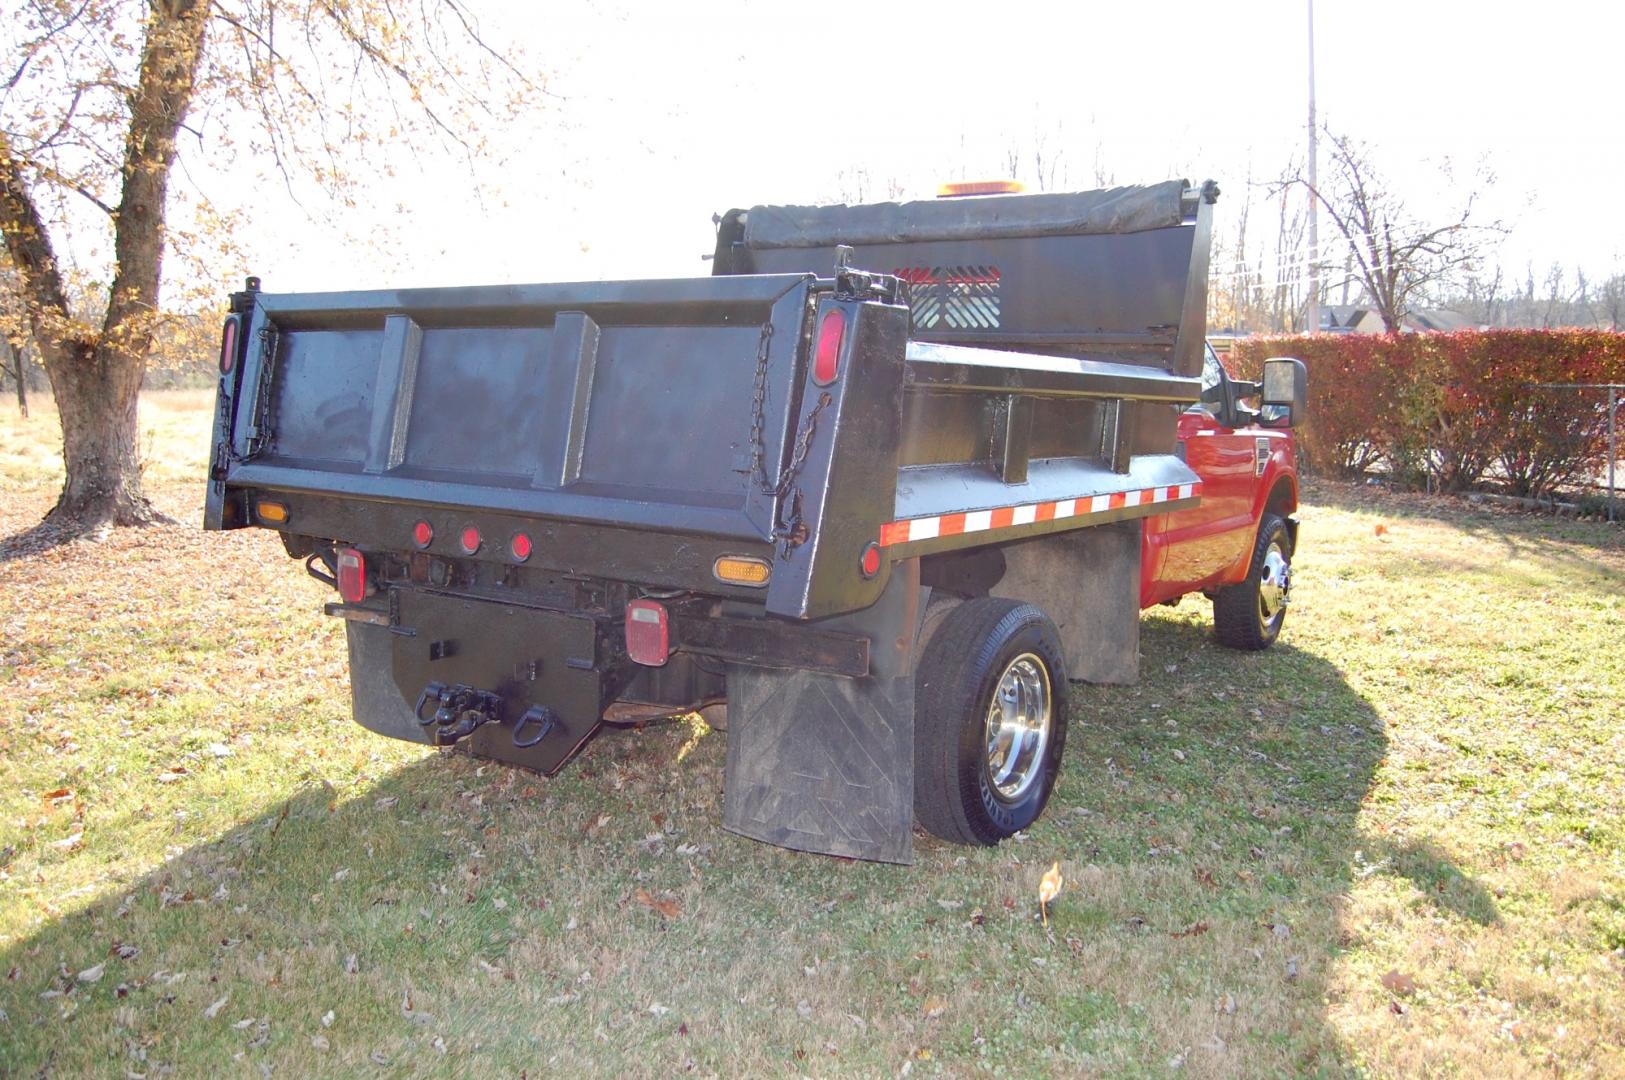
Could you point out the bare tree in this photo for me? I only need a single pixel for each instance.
(1397, 254)
(94, 102)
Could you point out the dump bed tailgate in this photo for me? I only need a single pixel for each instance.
(649, 404)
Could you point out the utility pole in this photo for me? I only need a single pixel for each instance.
(1313, 313)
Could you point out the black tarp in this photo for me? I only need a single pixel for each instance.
(1112, 210)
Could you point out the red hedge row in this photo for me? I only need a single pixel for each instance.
(1452, 407)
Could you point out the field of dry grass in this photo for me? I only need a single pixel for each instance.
(1390, 846)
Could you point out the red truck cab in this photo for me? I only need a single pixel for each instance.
(1236, 546)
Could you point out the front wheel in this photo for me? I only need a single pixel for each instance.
(1249, 614)
(990, 712)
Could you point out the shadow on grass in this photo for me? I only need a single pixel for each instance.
(1439, 881)
(459, 918)
(38, 539)
(1518, 532)
(1264, 812)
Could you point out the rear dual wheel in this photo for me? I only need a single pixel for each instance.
(990, 714)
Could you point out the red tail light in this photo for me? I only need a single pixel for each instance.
(352, 569)
(827, 360)
(228, 346)
(423, 534)
(519, 547)
(869, 562)
(647, 635)
(470, 539)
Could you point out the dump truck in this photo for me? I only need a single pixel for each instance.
(875, 491)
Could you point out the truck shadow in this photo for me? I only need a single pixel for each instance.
(1213, 813)
(1519, 533)
(1207, 822)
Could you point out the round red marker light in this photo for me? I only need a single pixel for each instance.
(470, 539)
(422, 534)
(519, 546)
(870, 561)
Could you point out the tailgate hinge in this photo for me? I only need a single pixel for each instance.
(853, 284)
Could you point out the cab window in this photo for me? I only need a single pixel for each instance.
(1213, 380)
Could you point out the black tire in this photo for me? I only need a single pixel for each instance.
(956, 796)
(1242, 618)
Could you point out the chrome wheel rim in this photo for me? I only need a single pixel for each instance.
(1018, 727)
(1274, 584)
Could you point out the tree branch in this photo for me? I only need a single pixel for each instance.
(29, 246)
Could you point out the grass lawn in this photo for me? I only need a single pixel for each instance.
(1392, 845)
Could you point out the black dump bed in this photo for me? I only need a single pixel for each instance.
(1118, 274)
(637, 431)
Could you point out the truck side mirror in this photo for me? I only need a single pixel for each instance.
(1286, 384)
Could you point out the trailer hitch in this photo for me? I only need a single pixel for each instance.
(458, 710)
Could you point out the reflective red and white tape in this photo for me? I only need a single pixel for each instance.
(1005, 517)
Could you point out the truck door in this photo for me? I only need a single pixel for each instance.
(1201, 547)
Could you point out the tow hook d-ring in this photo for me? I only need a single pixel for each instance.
(541, 715)
(434, 691)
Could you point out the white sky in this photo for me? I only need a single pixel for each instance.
(661, 114)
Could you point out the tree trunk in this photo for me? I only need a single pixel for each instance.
(96, 396)
(97, 377)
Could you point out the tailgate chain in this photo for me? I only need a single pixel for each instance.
(790, 529)
(758, 409)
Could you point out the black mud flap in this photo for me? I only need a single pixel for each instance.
(822, 763)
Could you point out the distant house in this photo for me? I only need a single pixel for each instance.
(1438, 320)
(1349, 319)
(1358, 319)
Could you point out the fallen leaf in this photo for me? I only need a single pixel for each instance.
(934, 1007)
(92, 974)
(319, 1042)
(666, 909)
(351, 964)
(1381, 528)
(659, 1010)
(244, 1024)
(416, 1017)
(124, 951)
(214, 1010)
(1226, 1004)
(1399, 982)
(60, 795)
(1193, 930)
(327, 1018)
(1049, 887)
(68, 842)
